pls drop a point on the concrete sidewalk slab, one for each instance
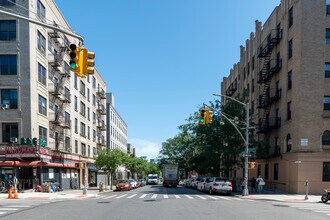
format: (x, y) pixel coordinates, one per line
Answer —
(292, 198)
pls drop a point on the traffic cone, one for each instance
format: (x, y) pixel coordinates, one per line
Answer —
(15, 194)
(10, 193)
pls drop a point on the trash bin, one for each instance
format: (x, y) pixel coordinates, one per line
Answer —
(101, 187)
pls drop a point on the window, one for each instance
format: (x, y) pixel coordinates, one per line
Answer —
(253, 63)
(94, 82)
(248, 69)
(94, 151)
(66, 68)
(82, 88)
(76, 103)
(326, 103)
(9, 97)
(326, 172)
(289, 80)
(290, 17)
(252, 86)
(94, 135)
(83, 109)
(9, 130)
(8, 30)
(7, 2)
(41, 74)
(94, 100)
(290, 45)
(276, 171)
(88, 114)
(42, 105)
(88, 99)
(82, 129)
(328, 6)
(41, 11)
(266, 171)
(67, 143)
(327, 36)
(326, 138)
(244, 74)
(67, 93)
(76, 146)
(288, 143)
(8, 64)
(288, 117)
(327, 70)
(76, 126)
(83, 149)
(88, 133)
(41, 43)
(43, 133)
(89, 151)
(75, 82)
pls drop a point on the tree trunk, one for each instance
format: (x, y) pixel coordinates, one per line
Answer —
(111, 181)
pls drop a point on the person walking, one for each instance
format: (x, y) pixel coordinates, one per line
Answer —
(261, 183)
(253, 184)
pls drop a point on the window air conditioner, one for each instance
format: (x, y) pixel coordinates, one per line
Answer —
(4, 106)
(13, 139)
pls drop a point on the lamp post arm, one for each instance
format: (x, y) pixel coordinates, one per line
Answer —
(219, 112)
(242, 103)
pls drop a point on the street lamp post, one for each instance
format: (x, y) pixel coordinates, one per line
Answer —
(246, 141)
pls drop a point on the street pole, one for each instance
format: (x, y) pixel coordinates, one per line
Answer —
(85, 181)
(246, 164)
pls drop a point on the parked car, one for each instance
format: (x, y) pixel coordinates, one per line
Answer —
(195, 182)
(123, 185)
(133, 183)
(218, 185)
(201, 184)
(143, 182)
(181, 183)
(188, 183)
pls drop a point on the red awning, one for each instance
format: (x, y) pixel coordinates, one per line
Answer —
(6, 163)
(35, 164)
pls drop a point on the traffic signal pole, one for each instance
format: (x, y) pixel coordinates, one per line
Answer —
(44, 25)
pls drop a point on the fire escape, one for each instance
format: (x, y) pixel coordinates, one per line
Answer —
(60, 97)
(269, 68)
(101, 110)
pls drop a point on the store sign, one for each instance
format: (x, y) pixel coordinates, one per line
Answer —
(25, 151)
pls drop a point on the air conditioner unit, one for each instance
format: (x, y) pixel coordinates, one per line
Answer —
(13, 140)
(4, 106)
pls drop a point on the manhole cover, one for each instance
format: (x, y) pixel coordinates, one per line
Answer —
(103, 202)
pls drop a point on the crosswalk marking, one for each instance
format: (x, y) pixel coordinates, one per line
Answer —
(144, 195)
(223, 198)
(212, 197)
(109, 197)
(189, 197)
(8, 209)
(154, 196)
(176, 196)
(165, 196)
(18, 206)
(131, 196)
(321, 211)
(236, 199)
(201, 197)
(1, 213)
(120, 196)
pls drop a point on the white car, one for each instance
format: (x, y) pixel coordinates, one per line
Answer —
(133, 183)
(218, 185)
(201, 184)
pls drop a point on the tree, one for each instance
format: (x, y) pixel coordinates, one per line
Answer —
(109, 160)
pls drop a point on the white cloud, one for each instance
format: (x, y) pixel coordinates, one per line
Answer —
(145, 148)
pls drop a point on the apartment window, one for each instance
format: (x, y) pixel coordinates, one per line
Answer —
(82, 129)
(41, 11)
(9, 97)
(276, 171)
(42, 105)
(67, 93)
(66, 68)
(290, 17)
(244, 74)
(94, 151)
(328, 6)
(76, 146)
(88, 113)
(326, 103)
(252, 86)
(248, 67)
(89, 151)
(83, 109)
(88, 99)
(8, 30)
(7, 2)
(76, 126)
(41, 43)
(290, 45)
(88, 133)
(82, 88)
(8, 64)
(253, 63)
(83, 149)
(326, 172)
(94, 135)
(67, 143)
(43, 133)
(252, 107)
(326, 138)
(288, 143)
(94, 82)
(75, 82)
(41, 74)
(289, 80)
(9, 130)
(94, 100)
(266, 171)
(76, 103)
(289, 111)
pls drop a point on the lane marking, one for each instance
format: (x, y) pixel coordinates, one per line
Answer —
(144, 195)
(109, 197)
(8, 209)
(189, 197)
(212, 197)
(154, 196)
(131, 196)
(236, 199)
(18, 206)
(99, 197)
(221, 197)
(176, 196)
(201, 197)
(328, 211)
(121, 196)
(165, 196)
(1, 213)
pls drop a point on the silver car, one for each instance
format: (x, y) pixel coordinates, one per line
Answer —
(218, 185)
(201, 184)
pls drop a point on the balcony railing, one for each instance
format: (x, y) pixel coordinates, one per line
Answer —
(101, 109)
(101, 125)
(272, 67)
(271, 96)
(268, 44)
(269, 124)
(101, 93)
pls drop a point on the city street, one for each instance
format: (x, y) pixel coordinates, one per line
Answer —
(156, 202)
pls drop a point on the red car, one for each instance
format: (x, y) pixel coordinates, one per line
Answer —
(123, 185)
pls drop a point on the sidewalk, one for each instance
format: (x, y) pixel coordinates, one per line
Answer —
(65, 194)
(280, 197)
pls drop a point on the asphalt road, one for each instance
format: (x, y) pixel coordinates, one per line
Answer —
(157, 203)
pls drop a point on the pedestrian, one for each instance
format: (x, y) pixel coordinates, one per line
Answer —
(261, 183)
(253, 184)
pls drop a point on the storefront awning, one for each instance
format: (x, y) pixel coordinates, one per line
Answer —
(35, 164)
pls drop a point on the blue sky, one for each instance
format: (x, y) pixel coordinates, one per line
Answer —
(163, 58)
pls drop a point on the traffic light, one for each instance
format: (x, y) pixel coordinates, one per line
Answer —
(208, 117)
(85, 62)
(74, 58)
(89, 62)
(202, 117)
